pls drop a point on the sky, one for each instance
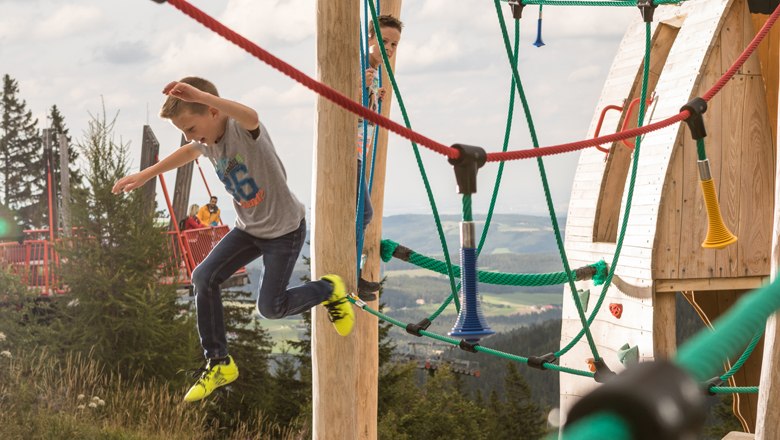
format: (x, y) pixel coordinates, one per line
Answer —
(451, 68)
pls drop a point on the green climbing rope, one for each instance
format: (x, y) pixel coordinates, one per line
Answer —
(598, 269)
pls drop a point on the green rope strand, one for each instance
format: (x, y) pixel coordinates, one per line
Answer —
(545, 183)
(488, 277)
(742, 359)
(629, 196)
(497, 185)
(416, 150)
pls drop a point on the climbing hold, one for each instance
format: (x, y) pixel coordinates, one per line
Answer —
(616, 309)
(584, 295)
(628, 355)
(591, 364)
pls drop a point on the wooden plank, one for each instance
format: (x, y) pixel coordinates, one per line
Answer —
(664, 325)
(768, 52)
(756, 190)
(710, 284)
(666, 255)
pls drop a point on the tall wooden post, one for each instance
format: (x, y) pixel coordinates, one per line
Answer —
(334, 367)
(150, 148)
(65, 184)
(181, 192)
(768, 412)
(368, 326)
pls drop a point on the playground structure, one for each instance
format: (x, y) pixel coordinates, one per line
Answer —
(688, 49)
(35, 260)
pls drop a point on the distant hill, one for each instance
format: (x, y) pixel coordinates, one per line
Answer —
(508, 233)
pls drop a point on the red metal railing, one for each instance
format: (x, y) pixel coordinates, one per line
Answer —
(37, 264)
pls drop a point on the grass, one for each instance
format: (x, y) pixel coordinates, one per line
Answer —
(47, 397)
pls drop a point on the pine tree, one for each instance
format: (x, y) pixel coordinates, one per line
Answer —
(57, 124)
(118, 312)
(518, 416)
(20, 152)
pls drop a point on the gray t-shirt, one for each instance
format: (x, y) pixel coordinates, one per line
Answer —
(253, 174)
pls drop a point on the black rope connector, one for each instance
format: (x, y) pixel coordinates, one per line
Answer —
(696, 107)
(403, 253)
(517, 8)
(539, 361)
(657, 400)
(584, 272)
(646, 7)
(468, 346)
(466, 165)
(603, 373)
(159, 1)
(714, 382)
(414, 329)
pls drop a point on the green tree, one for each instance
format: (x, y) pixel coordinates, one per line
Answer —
(20, 152)
(117, 309)
(517, 416)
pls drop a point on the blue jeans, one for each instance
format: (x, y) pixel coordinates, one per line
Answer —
(236, 250)
(368, 210)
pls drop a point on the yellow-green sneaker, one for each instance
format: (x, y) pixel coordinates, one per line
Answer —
(212, 377)
(339, 308)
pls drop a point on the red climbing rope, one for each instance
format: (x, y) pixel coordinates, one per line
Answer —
(354, 107)
(316, 86)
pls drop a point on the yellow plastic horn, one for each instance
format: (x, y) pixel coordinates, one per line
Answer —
(718, 234)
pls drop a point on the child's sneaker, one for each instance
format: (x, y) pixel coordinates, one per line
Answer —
(214, 375)
(367, 289)
(340, 311)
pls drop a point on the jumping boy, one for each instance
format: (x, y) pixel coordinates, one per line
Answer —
(390, 27)
(270, 221)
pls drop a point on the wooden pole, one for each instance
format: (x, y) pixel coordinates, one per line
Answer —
(368, 325)
(65, 184)
(150, 149)
(334, 367)
(181, 192)
(768, 412)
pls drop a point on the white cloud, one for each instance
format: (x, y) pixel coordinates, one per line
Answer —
(69, 20)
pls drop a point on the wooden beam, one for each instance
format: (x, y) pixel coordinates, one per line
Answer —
(705, 284)
(367, 325)
(334, 367)
(181, 192)
(768, 413)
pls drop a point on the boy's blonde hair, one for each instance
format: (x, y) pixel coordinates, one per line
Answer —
(173, 106)
(385, 21)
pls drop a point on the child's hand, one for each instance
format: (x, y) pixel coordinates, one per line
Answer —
(129, 183)
(381, 93)
(370, 73)
(183, 91)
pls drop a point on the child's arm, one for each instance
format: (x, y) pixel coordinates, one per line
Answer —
(245, 116)
(181, 156)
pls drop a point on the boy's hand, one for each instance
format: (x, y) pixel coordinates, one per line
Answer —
(183, 91)
(370, 73)
(129, 183)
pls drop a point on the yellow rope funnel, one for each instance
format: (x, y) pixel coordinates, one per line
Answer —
(718, 234)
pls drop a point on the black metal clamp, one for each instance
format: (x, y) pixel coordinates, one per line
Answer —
(414, 329)
(657, 400)
(466, 166)
(714, 382)
(646, 8)
(517, 8)
(465, 345)
(696, 107)
(603, 373)
(539, 361)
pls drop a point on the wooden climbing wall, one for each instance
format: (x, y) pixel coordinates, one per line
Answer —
(692, 45)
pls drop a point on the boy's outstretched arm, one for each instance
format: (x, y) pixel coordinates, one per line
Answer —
(245, 116)
(182, 156)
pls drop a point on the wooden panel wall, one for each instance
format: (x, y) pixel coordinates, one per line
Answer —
(742, 160)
